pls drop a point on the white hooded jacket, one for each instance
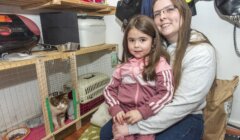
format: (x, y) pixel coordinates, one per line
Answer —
(198, 74)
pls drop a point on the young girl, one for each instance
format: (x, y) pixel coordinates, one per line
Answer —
(143, 84)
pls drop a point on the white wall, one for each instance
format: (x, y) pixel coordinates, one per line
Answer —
(114, 33)
(220, 33)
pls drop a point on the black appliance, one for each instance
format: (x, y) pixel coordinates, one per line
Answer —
(59, 27)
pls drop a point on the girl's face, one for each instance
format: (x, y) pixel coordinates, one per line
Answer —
(139, 43)
(167, 19)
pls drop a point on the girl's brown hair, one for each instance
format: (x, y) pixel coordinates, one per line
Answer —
(147, 26)
(183, 38)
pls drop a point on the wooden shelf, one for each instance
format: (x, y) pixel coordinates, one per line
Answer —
(66, 5)
(46, 56)
(86, 50)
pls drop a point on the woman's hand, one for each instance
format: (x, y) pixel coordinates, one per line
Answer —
(133, 116)
(119, 131)
(119, 118)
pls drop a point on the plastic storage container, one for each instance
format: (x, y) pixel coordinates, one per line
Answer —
(91, 32)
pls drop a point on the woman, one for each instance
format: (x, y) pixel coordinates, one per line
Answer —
(194, 67)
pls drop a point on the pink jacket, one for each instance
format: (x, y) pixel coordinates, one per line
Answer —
(127, 90)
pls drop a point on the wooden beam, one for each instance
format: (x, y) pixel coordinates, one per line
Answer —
(41, 5)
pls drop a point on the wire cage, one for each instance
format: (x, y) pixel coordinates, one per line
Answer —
(26, 89)
(20, 105)
(94, 71)
(58, 73)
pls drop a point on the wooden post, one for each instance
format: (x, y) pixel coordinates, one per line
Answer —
(74, 75)
(43, 90)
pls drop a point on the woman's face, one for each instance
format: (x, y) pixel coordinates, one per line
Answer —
(167, 19)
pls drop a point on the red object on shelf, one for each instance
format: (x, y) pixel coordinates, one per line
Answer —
(99, 1)
(17, 33)
(84, 108)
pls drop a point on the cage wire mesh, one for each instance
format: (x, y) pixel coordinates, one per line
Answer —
(19, 98)
(58, 74)
(94, 71)
(95, 62)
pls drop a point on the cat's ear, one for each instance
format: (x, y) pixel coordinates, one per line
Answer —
(65, 96)
(66, 89)
(53, 101)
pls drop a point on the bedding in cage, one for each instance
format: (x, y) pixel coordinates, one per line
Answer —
(90, 87)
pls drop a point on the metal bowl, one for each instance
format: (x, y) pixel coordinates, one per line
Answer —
(17, 134)
(70, 46)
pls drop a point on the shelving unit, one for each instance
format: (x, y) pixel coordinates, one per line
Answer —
(66, 5)
(40, 65)
(37, 64)
(45, 56)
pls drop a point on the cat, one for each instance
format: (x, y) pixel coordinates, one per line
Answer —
(59, 105)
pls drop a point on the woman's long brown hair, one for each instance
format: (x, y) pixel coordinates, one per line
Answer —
(183, 38)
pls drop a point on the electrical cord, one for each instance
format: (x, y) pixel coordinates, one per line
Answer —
(235, 40)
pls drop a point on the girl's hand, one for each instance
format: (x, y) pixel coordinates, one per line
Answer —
(133, 116)
(119, 131)
(119, 118)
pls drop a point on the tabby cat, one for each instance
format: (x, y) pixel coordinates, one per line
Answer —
(58, 105)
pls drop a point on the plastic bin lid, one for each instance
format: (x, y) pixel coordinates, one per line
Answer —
(91, 22)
